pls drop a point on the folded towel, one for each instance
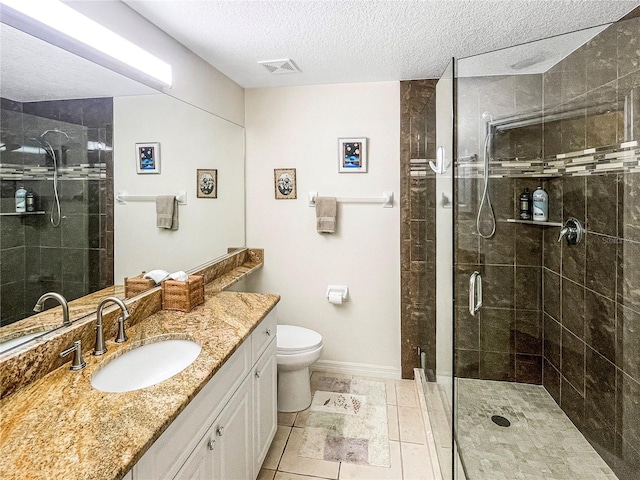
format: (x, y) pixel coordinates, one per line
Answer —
(157, 275)
(326, 209)
(167, 212)
(179, 276)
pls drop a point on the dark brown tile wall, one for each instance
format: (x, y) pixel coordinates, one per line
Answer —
(32, 253)
(590, 291)
(417, 225)
(504, 340)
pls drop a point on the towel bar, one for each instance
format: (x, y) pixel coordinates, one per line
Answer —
(123, 196)
(386, 199)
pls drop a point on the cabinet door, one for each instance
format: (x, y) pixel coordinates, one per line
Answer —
(198, 466)
(265, 414)
(233, 448)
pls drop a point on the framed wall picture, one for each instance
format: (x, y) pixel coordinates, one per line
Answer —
(207, 183)
(352, 155)
(148, 157)
(285, 183)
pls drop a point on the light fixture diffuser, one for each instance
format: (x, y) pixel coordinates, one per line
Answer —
(70, 22)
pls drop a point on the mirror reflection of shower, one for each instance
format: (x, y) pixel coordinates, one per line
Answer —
(55, 214)
(485, 202)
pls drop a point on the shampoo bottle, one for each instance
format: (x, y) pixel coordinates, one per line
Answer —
(525, 205)
(31, 201)
(21, 200)
(540, 205)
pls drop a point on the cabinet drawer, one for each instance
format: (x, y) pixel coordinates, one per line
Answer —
(170, 451)
(263, 334)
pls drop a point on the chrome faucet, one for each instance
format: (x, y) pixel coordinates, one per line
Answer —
(100, 347)
(60, 299)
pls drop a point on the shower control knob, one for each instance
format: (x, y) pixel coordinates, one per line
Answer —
(572, 231)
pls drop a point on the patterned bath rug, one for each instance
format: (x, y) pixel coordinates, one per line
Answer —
(348, 423)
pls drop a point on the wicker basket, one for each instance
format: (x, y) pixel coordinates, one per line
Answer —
(135, 285)
(183, 296)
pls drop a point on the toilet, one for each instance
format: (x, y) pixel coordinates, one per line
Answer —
(298, 348)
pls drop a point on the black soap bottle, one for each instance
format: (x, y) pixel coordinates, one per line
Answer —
(525, 205)
(31, 201)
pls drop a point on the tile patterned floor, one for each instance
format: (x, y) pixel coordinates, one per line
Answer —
(410, 455)
(540, 444)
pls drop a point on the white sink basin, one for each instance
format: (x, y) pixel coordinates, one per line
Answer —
(146, 365)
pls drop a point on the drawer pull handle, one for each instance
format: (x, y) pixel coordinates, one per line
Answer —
(257, 373)
(220, 431)
(268, 332)
(211, 443)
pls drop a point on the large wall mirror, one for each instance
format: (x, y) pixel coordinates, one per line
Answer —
(68, 135)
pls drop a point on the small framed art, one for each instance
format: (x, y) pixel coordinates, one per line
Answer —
(285, 183)
(148, 157)
(207, 183)
(352, 155)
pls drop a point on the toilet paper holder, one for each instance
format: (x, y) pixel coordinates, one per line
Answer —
(335, 292)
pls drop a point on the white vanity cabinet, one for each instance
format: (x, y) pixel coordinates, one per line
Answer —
(224, 452)
(226, 430)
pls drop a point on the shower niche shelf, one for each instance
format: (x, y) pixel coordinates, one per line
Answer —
(21, 214)
(531, 222)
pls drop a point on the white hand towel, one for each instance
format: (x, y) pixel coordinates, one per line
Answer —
(326, 209)
(157, 275)
(179, 276)
(167, 212)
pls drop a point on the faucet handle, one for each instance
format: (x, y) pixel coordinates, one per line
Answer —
(78, 362)
(122, 335)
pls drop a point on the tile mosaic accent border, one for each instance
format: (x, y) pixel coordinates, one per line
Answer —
(75, 172)
(622, 158)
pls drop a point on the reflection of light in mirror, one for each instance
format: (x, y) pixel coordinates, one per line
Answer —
(93, 146)
(62, 18)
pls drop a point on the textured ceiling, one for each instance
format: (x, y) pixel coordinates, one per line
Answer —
(368, 40)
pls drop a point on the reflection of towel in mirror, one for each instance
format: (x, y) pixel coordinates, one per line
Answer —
(326, 209)
(167, 212)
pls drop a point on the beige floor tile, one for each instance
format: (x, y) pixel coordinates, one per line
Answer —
(411, 425)
(351, 471)
(406, 393)
(416, 463)
(301, 418)
(276, 449)
(392, 420)
(391, 392)
(291, 462)
(286, 418)
(293, 476)
(266, 474)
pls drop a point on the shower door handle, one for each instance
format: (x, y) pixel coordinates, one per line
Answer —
(475, 292)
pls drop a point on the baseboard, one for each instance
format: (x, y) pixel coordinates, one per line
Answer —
(360, 369)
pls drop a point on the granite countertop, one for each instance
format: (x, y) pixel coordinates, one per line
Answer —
(61, 427)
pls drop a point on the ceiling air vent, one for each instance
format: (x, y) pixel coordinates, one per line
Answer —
(280, 67)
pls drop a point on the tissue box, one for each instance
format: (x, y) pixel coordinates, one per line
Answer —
(183, 296)
(135, 285)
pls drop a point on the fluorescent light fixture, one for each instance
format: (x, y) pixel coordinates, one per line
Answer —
(72, 23)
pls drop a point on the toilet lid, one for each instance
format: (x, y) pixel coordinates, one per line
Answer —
(293, 339)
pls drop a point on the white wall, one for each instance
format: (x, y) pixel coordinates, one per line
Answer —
(189, 138)
(299, 127)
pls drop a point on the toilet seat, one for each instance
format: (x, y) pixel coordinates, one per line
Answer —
(292, 340)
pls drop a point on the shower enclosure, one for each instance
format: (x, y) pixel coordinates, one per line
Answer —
(538, 337)
(60, 152)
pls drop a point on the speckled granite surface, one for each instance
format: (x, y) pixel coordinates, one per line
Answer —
(60, 427)
(32, 361)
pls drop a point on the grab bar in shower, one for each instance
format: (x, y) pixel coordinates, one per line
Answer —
(475, 292)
